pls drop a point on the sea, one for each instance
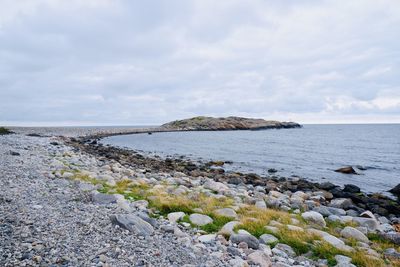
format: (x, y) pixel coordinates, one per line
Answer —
(312, 152)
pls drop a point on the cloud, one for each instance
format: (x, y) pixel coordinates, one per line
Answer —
(135, 62)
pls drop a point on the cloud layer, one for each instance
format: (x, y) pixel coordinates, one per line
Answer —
(147, 62)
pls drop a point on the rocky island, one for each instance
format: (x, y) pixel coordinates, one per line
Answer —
(202, 123)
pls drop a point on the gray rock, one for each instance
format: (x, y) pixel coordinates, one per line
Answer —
(207, 238)
(371, 224)
(261, 204)
(327, 211)
(250, 240)
(392, 254)
(342, 203)
(227, 229)
(285, 248)
(260, 258)
(104, 199)
(145, 217)
(200, 219)
(350, 232)
(132, 223)
(340, 259)
(314, 217)
(268, 239)
(226, 212)
(175, 216)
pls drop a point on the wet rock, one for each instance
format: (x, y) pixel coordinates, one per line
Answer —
(346, 170)
(132, 223)
(351, 188)
(327, 186)
(250, 240)
(395, 190)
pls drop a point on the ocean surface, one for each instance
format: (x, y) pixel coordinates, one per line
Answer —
(312, 152)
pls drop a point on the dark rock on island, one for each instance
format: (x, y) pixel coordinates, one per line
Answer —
(229, 123)
(395, 190)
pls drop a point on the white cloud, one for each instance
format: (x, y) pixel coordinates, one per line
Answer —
(135, 62)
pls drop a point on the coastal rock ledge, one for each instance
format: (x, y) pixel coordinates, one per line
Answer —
(228, 123)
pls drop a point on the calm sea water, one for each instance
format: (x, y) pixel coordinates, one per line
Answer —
(312, 152)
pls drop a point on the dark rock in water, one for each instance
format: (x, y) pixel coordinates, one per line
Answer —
(13, 153)
(346, 170)
(54, 144)
(395, 190)
(351, 188)
(34, 135)
(272, 170)
(361, 168)
(327, 186)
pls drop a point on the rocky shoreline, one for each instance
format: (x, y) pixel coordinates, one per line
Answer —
(74, 202)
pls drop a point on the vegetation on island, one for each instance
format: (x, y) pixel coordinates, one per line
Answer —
(4, 131)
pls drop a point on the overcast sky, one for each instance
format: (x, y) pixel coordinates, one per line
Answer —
(147, 62)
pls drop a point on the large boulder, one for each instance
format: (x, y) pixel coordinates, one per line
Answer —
(350, 232)
(175, 216)
(200, 219)
(314, 217)
(370, 223)
(250, 240)
(132, 223)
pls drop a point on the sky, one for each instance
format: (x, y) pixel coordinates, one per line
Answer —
(134, 62)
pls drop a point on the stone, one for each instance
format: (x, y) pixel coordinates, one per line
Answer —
(261, 204)
(371, 224)
(346, 170)
(294, 228)
(104, 199)
(392, 254)
(173, 217)
(238, 262)
(207, 238)
(395, 190)
(286, 248)
(250, 240)
(334, 241)
(350, 232)
(226, 212)
(268, 239)
(200, 219)
(314, 217)
(216, 186)
(341, 203)
(393, 237)
(272, 229)
(227, 229)
(351, 188)
(340, 259)
(132, 223)
(260, 258)
(327, 211)
(368, 214)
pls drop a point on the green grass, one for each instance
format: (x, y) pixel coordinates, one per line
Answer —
(216, 225)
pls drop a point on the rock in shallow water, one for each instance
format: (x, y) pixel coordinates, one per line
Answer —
(346, 170)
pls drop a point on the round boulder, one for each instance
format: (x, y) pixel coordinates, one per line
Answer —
(314, 218)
